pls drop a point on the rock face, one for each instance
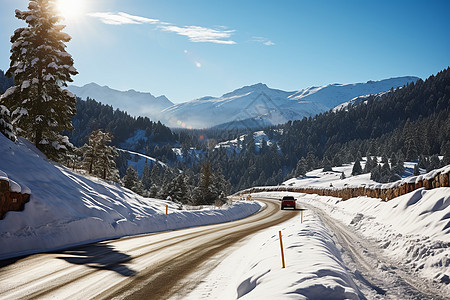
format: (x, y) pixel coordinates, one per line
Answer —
(386, 192)
(9, 200)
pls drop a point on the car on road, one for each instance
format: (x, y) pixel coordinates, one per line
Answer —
(288, 201)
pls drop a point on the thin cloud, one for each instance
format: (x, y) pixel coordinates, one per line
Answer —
(263, 40)
(198, 34)
(122, 18)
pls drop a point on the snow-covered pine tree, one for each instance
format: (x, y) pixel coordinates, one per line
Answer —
(155, 176)
(301, 169)
(40, 106)
(177, 189)
(5, 122)
(220, 187)
(106, 166)
(98, 157)
(131, 181)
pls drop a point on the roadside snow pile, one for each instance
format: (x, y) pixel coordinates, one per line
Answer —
(413, 229)
(314, 268)
(67, 209)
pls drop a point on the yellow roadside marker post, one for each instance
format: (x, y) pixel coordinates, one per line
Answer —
(301, 215)
(282, 252)
(167, 209)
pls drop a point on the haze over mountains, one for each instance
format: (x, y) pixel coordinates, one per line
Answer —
(251, 106)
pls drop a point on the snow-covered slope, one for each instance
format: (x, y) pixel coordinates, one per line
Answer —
(357, 100)
(131, 101)
(258, 105)
(66, 208)
(334, 94)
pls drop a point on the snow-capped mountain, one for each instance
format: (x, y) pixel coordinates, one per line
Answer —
(258, 105)
(252, 106)
(357, 100)
(134, 102)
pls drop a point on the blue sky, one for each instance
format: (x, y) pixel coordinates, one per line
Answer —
(190, 49)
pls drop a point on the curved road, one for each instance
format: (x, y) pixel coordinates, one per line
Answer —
(153, 266)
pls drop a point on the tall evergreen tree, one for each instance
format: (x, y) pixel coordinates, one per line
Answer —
(356, 170)
(131, 180)
(301, 168)
(40, 105)
(146, 176)
(98, 156)
(155, 175)
(203, 194)
(326, 165)
(416, 170)
(5, 122)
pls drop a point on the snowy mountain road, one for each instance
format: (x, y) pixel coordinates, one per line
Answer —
(153, 266)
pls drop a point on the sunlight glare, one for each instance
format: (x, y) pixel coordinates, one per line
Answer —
(70, 9)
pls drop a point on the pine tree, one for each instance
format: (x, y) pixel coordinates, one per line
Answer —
(177, 189)
(375, 174)
(146, 176)
(164, 188)
(98, 157)
(203, 194)
(131, 180)
(40, 106)
(221, 187)
(416, 170)
(5, 122)
(326, 165)
(155, 176)
(435, 163)
(445, 151)
(356, 170)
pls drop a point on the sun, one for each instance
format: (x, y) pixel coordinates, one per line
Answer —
(70, 9)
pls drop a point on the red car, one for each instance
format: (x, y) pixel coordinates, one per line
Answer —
(288, 201)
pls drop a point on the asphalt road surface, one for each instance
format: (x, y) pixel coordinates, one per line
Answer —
(153, 266)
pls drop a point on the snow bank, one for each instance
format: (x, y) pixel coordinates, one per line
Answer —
(67, 209)
(314, 268)
(413, 229)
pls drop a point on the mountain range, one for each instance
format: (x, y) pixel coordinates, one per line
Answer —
(250, 106)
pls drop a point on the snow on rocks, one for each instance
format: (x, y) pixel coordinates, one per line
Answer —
(67, 209)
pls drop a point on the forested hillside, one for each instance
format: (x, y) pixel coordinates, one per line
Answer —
(92, 115)
(407, 123)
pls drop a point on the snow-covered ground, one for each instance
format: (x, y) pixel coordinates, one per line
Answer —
(67, 208)
(319, 179)
(410, 232)
(313, 270)
(236, 145)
